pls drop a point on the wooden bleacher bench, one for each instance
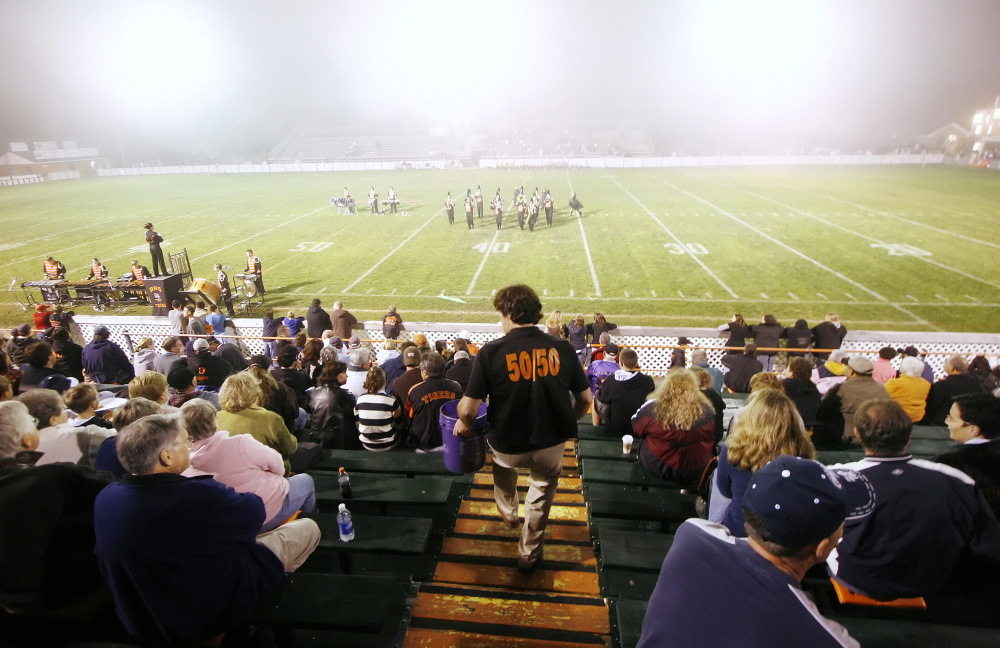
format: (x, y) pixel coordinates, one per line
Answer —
(890, 633)
(830, 457)
(939, 432)
(592, 433)
(381, 544)
(628, 615)
(611, 449)
(366, 605)
(661, 505)
(403, 463)
(626, 473)
(630, 562)
(426, 496)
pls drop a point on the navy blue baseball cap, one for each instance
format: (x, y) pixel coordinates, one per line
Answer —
(802, 502)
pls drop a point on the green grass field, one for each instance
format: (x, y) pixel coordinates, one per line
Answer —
(888, 248)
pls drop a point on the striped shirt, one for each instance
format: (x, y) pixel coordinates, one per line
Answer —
(375, 421)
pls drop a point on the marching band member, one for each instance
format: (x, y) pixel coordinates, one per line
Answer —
(140, 272)
(54, 269)
(392, 200)
(479, 201)
(498, 208)
(227, 292)
(373, 200)
(449, 205)
(97, 270)
(548, 207)
(522, 206)
(468, 213)
(254, 267)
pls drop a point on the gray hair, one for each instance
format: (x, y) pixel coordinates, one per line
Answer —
(15, 422)
(699, 356)
(132, 411)
(956, 363)
(43, 404)
(140, 444)
(328, 354)
(433, 364)
(359, 356)
(913, 367)
(200, 418)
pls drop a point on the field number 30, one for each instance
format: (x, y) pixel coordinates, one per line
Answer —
(686, 248)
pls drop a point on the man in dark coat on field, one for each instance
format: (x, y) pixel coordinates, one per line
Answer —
(317, 320)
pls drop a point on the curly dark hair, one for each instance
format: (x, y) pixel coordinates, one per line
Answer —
(520, 303)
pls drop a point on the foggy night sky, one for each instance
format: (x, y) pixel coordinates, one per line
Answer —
(800, 73)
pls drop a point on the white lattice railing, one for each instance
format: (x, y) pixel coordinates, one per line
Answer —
(652, 344)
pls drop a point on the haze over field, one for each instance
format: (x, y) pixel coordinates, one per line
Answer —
(240, 74)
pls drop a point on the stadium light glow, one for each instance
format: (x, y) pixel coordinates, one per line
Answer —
(979, 130)
(978, 119)
(163, 62)
(996, 114)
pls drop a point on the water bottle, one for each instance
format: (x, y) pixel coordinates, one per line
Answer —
(344, 482)
(345, 524)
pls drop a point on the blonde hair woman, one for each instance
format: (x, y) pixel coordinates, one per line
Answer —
(679, 427)
(240, 400)
(151, 385)
(554, 322)
(768, 426)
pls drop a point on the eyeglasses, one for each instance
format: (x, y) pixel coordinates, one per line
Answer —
(951, 419)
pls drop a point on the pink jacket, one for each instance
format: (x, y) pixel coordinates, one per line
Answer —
(883, 370)
(244, 464)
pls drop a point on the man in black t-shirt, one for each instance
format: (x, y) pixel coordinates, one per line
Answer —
(537, 392)
(424, 401)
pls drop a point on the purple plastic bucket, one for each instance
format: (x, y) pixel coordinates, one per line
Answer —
(463, 454)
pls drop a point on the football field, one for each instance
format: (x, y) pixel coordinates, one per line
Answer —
(888, 248)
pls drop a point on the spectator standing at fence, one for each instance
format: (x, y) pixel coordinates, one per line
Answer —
(828, 334)
(578, 338)
(767, 335)
(392, 324)
(799, 336)
(343, 322)
(738, 334)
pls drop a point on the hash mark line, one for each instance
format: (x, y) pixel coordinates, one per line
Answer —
(570, 292)
(681, 294)
(482, 263)
(821, 295)
(545, 292)
(793, 296)
(764, 296)
(678, 241)
(900, 218)
(419, 289)
(393, 251)
(368, 291)
(653, 292)
(941, 298)
(322, 290)
(297, 289)
(973, 298)
(850, 296)
(586, 246)
(393, 292)
(626, 294)
(865, 236)
(797, 253)
(912, 298)
(709, 295)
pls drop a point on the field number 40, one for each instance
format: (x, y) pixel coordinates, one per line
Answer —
(686, 248)
(499, 248)
(305, 246)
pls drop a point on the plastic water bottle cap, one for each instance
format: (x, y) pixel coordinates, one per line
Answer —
(343, 507)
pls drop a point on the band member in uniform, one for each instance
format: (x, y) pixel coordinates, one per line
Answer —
(479, 201)
(449, 205)
(498, 208)
(468, 212)
(373, 200)
(547, 201)
(532, 213)
(139, 272)
(392, 200)
(522, 206)
(227, 292)
(575, 206)
(98, 270)
(54, 269)
(154, 240)
(254, 267)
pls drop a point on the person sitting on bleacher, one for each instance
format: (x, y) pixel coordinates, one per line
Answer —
(795, 511)
(909, 389)
(622, 394)
(58, 441)
(679, 428)
(742, 367)
(246, 465)
(181, 555)
(46, 525)
(956, 382)
(424, 401)
(974, 421)
(768, 426)
(927, 516)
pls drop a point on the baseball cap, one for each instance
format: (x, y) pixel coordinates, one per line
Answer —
(102, 331)
(801, 501)
(411, 356)
(57, 382)
(861, 365)
(611, 348)
(911, 351)
(462, 355)
(465, 335)
(354, 342)
(200, 344)
(261, 361)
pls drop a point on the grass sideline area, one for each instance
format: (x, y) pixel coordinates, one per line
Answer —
(888, 248)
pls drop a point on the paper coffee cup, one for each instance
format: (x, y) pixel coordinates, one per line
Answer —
(627, 444)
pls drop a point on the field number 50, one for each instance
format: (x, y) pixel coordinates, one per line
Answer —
(686, 248)
(305, 246)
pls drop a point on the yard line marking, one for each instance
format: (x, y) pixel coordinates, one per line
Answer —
(764, 296)
(653, 292)
(418, 289)
(912, 298)
(250, 238)
(393, 292)
(681, 294)
(973, 298)
(626, 294)
(836, 273)
(793, 296)
(850, 296)
(679, 242)
(322, 290)
(900, 218)
(865, 236)
(393, 251)
(297, 289)
(586, 246)
(489, 248)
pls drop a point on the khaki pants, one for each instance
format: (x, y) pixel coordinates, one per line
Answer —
(292, 543)
(544, 467)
